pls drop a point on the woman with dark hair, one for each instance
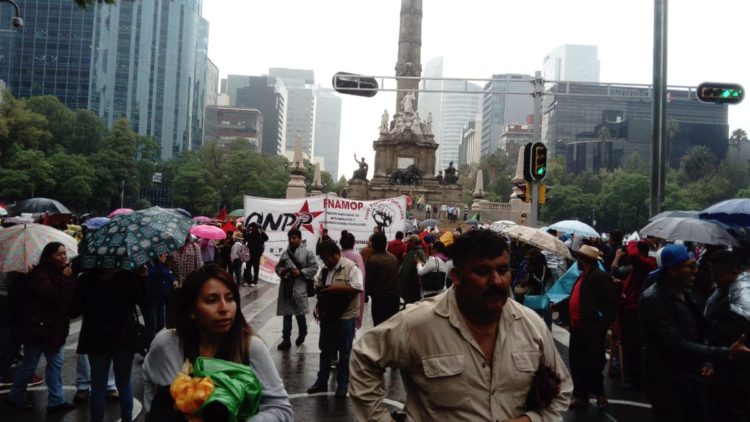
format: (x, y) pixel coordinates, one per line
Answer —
(210, 324)
(48, 292)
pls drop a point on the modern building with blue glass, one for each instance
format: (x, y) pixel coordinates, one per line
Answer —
(51, 54)
(149, 66)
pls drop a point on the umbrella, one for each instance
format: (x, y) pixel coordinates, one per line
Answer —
(500, 224)
(689, 230)
(208, 232)
(24, 219)
(429, 222)
(40, 206)
(119, 211)
(409, 227)
(733, 212)
(202, 219)
(131, 240)
(472, 222)
(237, 213)
(537, 238)
(692, 214)
(181, 211)
(22, 245)
(576, 227)
(3, 212)
(95, 223)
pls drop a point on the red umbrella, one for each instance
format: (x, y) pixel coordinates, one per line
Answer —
(208, 232)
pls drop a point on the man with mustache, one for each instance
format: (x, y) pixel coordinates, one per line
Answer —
(470, 353)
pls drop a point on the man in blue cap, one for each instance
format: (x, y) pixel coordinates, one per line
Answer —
(677, 361)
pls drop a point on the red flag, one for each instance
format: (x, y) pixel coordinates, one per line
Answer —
(229, 227)
(222, 215)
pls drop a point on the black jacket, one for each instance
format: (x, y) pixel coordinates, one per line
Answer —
(598, 298)
(674, 336)
(256, 241)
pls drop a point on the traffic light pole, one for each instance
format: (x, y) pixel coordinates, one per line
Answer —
(537, 137)
(658, 126)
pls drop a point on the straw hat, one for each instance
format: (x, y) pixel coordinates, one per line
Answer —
(589, 252)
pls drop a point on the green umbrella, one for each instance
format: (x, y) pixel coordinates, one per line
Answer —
(131, 240)
(237, 213)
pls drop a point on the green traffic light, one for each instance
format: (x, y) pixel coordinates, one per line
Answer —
(540, 171)
(726, 93)
(735, 94)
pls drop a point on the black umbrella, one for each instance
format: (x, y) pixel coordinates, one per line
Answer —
(40, 206)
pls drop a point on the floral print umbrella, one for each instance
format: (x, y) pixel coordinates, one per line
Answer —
(131, 240)
(22, 245)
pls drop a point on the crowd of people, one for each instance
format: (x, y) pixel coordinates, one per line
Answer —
(455, 311)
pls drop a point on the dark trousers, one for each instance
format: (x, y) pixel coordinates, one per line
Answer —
(254, 264)
(154, 314)
(122, 364)
(286, 331)
(237, 270)
(9, 345)
(631, 346)
(384, 308)
(678, 400)
(587, 359)
(335, 336)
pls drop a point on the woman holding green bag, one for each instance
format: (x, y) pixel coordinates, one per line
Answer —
(210, 325)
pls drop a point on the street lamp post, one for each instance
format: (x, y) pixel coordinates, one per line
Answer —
(658, 126)
(16, 21)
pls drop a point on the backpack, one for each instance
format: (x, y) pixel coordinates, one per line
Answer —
(434, 280)
(245, 254)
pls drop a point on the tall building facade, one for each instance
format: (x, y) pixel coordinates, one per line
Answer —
(300, 105)
(327, 129)
(505, 102)
(455, 111)
(51, 54)
(429, 102)
(574, 127)
(149, 66)
(268, 95)
(470, 150)
(570, 62)
(212, 83)
(515, 137)
(225, 124)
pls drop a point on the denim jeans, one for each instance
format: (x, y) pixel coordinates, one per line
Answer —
(237, 269)
(335, 336)
(83, 375)
(286, 332)
(153, 315)
(53, 374)
(122, 363)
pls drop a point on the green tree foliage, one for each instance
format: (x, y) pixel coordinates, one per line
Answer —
(60, 121)
(192, 188)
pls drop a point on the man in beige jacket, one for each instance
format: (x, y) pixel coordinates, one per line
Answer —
(468, 354)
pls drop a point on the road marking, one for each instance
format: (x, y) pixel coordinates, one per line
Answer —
(137, 405)
(390, 402)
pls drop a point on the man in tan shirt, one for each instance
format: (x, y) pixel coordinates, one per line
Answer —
(468, 354)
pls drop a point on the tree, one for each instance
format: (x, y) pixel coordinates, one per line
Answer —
(739, 137)
(76, 179)
(20, 126)
(622, 201)
(60, 120)
(88, 133)
(37, 169)
(698, 163)
(192, 189)
(124, 142)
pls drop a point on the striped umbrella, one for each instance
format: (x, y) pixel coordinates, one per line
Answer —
(22, 245)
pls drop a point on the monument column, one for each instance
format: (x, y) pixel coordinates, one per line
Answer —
(409, 49)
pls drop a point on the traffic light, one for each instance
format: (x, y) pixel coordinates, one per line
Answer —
(542, 193)
(528, 193)
(353, 84)
(720, 93)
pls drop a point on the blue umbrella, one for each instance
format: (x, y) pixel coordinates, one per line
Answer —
(95, 223)
(733, 212)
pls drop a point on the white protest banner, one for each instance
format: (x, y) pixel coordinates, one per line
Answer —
(311, 215)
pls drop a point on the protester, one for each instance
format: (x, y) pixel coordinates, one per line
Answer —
(208, 250)
(397, 247)
(592, 305)
(407, 274)
(347, 251)
(676, 359)
(161, 281)
(48, 291)
(381, 272)
(433, 272)
(323, 237)
(444, 372)
(107, 300)
(11, 309)
(234, 256)
(186, 260)
(256, 239)
(339, 283)
(296, 265)
(367, 251)
(210, 324)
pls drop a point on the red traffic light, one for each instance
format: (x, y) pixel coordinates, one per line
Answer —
(720, 93)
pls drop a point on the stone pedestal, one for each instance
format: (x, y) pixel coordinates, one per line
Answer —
(357, 189)
(296, 187)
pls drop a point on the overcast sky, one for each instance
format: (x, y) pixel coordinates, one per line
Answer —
(707, 41)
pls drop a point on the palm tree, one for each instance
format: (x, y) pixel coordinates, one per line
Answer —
(738, 138)
(603, 135)
(673, 128)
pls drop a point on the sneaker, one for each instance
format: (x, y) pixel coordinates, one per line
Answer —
(340, 393)
(334, 363)
(81, 396)
(61, 408)
(300, 340)
(113, 395)
(35, 380)
(18, 407)
(317, 389)
(286, 344)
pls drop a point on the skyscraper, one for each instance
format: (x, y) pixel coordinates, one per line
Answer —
(212, 83)
(429, 102)
(505, 102)
(575, 63)
(51, 54)
(268, 95)
(300, 106)
(455, 111)
(327, 129)
(149, 64)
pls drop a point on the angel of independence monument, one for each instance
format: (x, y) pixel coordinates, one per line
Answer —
(405, 150)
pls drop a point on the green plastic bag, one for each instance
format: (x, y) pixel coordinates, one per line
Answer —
(235, 386)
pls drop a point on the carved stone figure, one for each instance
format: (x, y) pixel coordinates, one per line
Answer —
(408, 176)
(399, 124)
(451, 174)
(360, 174)
(384, 122)
(440, 177)
(408, 101)
(428, 124)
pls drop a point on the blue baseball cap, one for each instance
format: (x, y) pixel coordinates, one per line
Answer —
(672, 255)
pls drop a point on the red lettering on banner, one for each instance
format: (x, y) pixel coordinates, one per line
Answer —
(342, 204)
